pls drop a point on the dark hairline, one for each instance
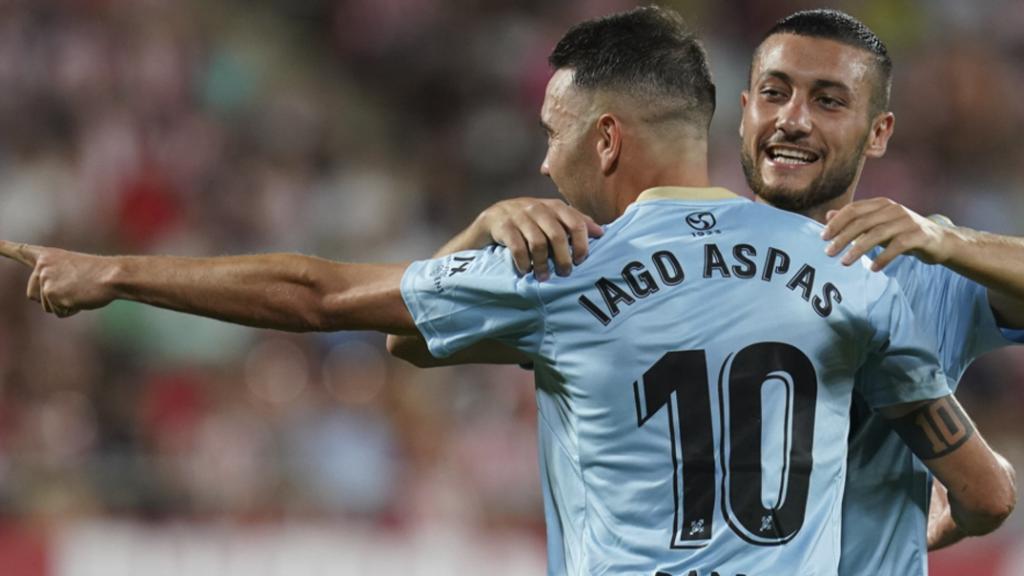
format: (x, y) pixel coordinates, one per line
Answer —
(882, 84)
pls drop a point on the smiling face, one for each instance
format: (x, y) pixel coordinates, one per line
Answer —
(808, 123)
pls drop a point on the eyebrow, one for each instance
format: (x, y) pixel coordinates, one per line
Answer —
(818, 84)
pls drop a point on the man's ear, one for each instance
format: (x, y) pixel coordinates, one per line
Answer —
(609, 142)
(881, 131)
(744, 98)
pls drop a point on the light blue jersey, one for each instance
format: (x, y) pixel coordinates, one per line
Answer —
(694, 379)
(885, 512)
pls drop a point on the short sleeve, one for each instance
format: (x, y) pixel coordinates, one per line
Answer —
(902, 366)
(972, 322)
(475, 295)
(953, 308)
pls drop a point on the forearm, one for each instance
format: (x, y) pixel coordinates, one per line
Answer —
(279, 291)
(981, 484)
(996, 262)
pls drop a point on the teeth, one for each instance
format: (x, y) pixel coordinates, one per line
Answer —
(790, 156)
(787, 160)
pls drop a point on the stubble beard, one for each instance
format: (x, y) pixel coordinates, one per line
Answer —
(828, 186)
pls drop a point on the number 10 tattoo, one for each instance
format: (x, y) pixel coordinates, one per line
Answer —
(935, 429)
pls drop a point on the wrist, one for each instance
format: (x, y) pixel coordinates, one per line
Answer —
(116, 277)
(479, 232)
(958, 243)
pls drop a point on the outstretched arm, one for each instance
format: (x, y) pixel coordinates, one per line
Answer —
(996, 262)
(534, 230)
(279, 291)
(981, 484)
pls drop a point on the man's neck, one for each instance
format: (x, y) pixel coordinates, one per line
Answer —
(819, 212)
(684, 172)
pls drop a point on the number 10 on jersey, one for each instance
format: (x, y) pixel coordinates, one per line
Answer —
(683, 375)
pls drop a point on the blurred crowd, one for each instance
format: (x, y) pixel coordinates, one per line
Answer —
(364, 130)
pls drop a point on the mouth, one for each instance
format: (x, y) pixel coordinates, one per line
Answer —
(790, 156)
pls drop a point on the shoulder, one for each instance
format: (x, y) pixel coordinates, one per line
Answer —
(907, 267)
(490, 268)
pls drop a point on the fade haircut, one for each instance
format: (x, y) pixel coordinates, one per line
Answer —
(646, 53)
(841, 27)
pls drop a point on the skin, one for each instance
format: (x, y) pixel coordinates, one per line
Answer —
(812, 96)
(824, 108)
(289, 292)
(620, 156)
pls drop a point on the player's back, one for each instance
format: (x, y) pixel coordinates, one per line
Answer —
(694, 383)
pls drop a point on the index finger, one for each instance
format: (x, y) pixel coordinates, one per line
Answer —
(23, 253)
(848, 213)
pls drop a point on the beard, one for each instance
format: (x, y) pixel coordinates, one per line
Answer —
(828, 186)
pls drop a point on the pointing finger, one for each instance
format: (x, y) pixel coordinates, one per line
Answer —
(23, 253)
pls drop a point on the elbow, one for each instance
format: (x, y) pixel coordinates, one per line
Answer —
(411, 349)
(312, 316)
(993, 506)
(979, 522)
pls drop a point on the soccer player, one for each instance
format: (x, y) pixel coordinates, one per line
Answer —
(695, 374)
(810, 65)
(817, 107)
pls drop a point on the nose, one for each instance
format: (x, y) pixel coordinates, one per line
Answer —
(544, 170)
(794, 118)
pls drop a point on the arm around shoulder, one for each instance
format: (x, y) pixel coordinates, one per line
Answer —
(997, 263)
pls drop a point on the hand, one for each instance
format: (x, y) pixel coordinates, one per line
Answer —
(65, 283)
(535, 229)
(942, 530)
(882, 222)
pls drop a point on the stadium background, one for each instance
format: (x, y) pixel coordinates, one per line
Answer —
(134, 441)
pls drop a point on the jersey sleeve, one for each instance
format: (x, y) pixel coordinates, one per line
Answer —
(967, 320)
(475, 295)
(902, 365)
(957, 310)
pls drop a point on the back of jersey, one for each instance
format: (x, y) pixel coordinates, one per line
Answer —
(694, 386)
(694, 378)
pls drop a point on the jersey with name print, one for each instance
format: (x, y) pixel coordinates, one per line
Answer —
(694, 379)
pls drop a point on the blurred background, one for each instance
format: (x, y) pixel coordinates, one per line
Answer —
(135, 441)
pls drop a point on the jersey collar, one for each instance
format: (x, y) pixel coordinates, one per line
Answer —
(681, 193)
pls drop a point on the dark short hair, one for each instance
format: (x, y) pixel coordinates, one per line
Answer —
(841, 27)
(645, 52)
